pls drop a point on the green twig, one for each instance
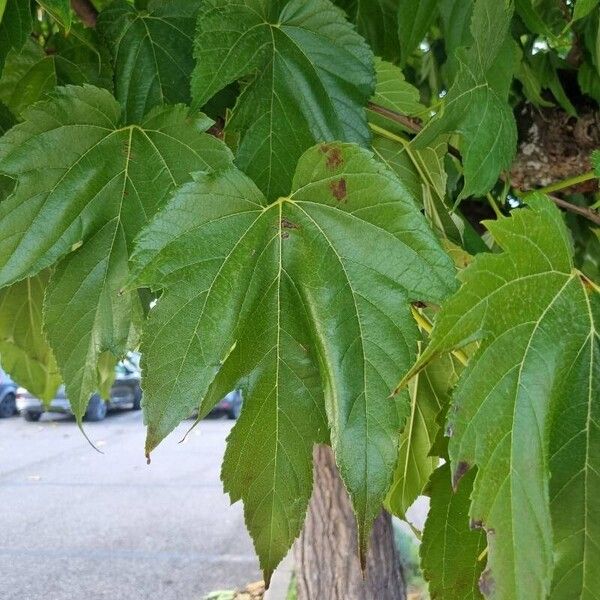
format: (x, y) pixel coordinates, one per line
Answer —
(392, 115)
(494, 205)
(394, 137)
(563, 184)
(424, 323)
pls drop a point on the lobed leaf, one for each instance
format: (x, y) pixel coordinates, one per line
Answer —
(97, 191)
(152, 53)
(536, 322)
(294, 302)
(310, 76)
(476, 106)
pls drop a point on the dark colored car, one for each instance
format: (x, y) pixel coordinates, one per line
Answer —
(124, 393)
(8, 394)
(230, 405)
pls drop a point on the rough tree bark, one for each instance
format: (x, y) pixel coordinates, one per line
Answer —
(327, 564)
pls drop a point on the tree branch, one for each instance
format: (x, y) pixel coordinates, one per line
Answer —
(588, 213)
(395, 116)
(86, 12)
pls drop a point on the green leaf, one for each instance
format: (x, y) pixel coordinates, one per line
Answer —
(60, 11)
(477, 105)
(152, 53)
(30, 74)
(533, 315)
(376, 21)
(575, 462)
(532, 86)
(81, 57)
(24, 351)
(392, 91)
(26, 77)
(99, 185)
(455, 19)
(310, 74)
(429, 396)
(450, 549)
(15, 27)
(292, 301)
(583, 8)
(415, 17)
(422, 171)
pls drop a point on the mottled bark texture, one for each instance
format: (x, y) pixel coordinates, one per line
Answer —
(327, 563)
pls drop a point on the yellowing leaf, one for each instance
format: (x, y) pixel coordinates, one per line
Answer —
(24, 352)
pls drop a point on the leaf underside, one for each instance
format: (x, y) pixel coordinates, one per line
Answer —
(24, 352)
(293, 302)
(450, 549)
(534, 378)
(100, 189)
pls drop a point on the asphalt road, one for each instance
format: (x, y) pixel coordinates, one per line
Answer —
(76, 524)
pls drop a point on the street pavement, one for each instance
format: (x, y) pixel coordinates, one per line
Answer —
(79, 525)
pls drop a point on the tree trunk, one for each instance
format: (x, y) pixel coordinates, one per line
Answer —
(327, 562)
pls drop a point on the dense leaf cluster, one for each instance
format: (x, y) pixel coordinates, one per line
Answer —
(318, 242)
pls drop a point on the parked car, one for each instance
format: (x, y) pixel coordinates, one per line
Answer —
(8, 390)
(125, 392)
(230, 405)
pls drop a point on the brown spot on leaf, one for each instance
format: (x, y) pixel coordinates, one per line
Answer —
(486, 583)
(461, 469)
(287, 224)
(419, 304)
(333, 154)
(476, 524)
(338, 189)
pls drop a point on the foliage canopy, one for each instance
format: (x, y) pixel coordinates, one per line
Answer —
(288, 197)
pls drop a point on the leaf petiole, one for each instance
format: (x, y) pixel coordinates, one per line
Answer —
(426, 325)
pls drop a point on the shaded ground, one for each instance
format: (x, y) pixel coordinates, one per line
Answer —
(78, 524)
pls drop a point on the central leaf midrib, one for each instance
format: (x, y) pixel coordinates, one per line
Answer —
(363, 518)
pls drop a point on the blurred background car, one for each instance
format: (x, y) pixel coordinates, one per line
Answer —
(230, 405)
(8, 390)
(124, 393)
